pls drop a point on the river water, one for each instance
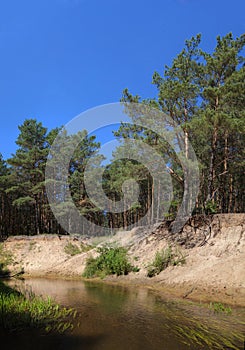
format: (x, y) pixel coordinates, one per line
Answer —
(130, 318)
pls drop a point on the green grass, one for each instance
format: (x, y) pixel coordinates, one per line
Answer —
(111, 261)
(200, 329)
(72, 249)
(6, 257)
(32, 245)
(19, 312)
(85, 248)
(200, 334)
(219, 308)
(164, 258)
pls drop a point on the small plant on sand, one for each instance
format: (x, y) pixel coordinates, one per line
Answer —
(219, 307)
(72, 249)
(6, 258)
(85, 247)
(164, 258)
(32, 245)
(111, 261)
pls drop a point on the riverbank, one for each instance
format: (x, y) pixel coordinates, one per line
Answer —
(214, 251)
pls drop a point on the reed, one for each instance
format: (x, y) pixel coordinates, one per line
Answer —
(19, 312)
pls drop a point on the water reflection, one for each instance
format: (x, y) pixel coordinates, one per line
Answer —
(113, 317)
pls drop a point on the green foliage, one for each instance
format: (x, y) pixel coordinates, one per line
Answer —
(203, 92)
(219, 307)
(18, 312)
(19, 202)
(72, 249)
(85, 247)
(199, 333)
(32, 245)
(211, 207)
(164, 258)
(6, 258)
(111, 261)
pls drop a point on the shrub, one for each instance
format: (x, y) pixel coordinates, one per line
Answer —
(111, 261)
(164, 258)
(72, 249)
(211, 208)
(85, 247)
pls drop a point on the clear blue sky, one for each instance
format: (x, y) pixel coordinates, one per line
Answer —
(61, 57)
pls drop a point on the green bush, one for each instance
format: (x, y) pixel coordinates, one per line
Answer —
(111, 261)
(85, 247)
(211, 208)
(164, 258)
(72, 249)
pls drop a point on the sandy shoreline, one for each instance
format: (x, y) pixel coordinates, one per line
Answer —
(214, 271)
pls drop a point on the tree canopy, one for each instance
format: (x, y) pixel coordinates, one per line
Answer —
(202, 92)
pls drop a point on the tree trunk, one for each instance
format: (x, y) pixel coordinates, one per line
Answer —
(211, 174)
(230, 194)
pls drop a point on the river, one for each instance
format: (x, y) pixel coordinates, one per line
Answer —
(113, 317)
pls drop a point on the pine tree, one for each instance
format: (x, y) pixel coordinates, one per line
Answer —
(222, 89)
(204, 94)
(27, 174)
(5, 209)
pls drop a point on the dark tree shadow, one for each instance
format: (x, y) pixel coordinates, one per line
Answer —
(4, 273)
(34, 341)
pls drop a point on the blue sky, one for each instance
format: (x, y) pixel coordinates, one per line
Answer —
(61, 57)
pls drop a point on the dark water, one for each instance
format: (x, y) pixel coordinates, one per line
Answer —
(119, 318)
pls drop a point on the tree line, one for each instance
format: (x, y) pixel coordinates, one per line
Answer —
(204, 93)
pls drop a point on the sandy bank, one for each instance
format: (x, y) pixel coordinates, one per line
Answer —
(214, 250)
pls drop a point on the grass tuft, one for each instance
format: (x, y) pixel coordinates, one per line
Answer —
(72, 249)
(164, 258)
(19, 312)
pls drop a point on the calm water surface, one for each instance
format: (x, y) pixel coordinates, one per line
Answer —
(129, 318)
